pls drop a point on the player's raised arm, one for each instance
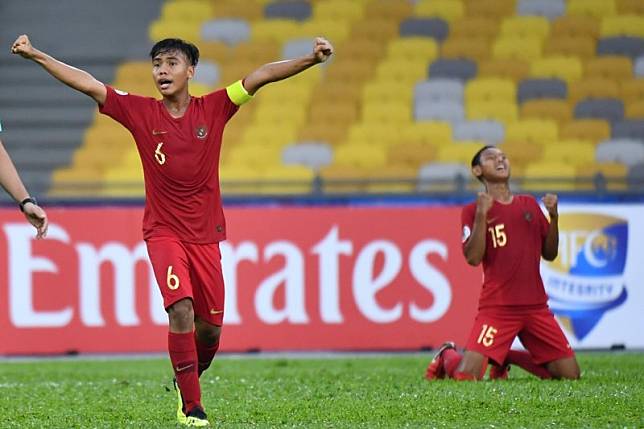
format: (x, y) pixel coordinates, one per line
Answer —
(273, 72)
(78, 79)
(474, 248)
(550, 247)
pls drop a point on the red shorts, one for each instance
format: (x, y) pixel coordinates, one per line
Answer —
(187, 270)
(495, 330)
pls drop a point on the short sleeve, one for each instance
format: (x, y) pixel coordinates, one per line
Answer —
(467, 220)
(121, 106)
(544, 224)
(218, 103)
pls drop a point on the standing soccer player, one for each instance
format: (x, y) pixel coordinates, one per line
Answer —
(10, 182)
(179, 139)
(509, 234)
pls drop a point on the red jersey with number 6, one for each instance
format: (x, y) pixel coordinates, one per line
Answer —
(515, 234)
(180, 158)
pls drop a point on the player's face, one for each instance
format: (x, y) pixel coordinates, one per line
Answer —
(494, 165)
(171, 72)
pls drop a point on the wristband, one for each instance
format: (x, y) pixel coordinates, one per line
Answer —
(25, 201)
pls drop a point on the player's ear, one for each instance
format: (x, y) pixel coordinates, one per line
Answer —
(191, 72)
(477, 171)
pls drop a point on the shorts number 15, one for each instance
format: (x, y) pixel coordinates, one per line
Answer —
(487, 335)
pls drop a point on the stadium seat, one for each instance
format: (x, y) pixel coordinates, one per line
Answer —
(392, 179)
(536, 131)
(594, 130)
(575, 26)
(278, 30)
(627, 46)
(594, 176)
(474, 27)
(581, 46)
(435, 28)
(395, 113)
(469, 48)
(410, 154)
(529, 89)
(401, 71)
(550, 9)
(435, 133)
(592, 88)
(632, 90)
(449, 10)
(460, 152)
(388, 10)
(575, 154)
(502, 111)
(379, 92)
(622, 25)
(594, 8)
(550, 109)
(413, 49)
(629, 129)
(229, 31)
(207, 73)
(610, 67)
(439, 89)
(635, 176)
(286, 9)
(635, 110)
(565, 68)
(490, 132)
(490, 89)
(514, 70)
(441, 176)
(609, 109)
(521, 153)
(449, 111)
(549, 176)
(525, 49)
(461, 69)
(333, 10)
(628, 7)
(525, 27)
(638, 68)
(625, 151)
(342, 179)
(287, 179)
(490, 8)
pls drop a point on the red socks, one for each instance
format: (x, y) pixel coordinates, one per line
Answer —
(183, 355)
(205, 354)
(524, 360)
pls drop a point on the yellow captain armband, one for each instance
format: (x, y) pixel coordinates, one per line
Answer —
(237, 93)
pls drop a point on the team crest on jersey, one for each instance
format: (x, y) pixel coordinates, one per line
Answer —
(527, 216)
(201, 132)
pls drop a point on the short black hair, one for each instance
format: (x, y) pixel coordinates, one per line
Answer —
(176, 45)
(476, 160)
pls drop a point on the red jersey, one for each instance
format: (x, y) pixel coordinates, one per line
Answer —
(514, 238)
(180, 158)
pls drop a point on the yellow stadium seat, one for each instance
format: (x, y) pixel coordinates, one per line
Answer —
(240, 179)
(412, 48)
(256, 51)
(520, 154)
(436, 133)
(383, 92)
(571, 153)
(254, 154)
(402, 71)
(410, 154)
(248, 10)
(532, 131)
(278, 30)
(594, 130)
(360, 155)
(280, 115)
(565, 68)
(548, 109)
(503, 111)
(377, 29)
(335, 30)
(490, 8)
(333, 115)
(287, 179)
(332, 134)
(168, 29)
(613, 176)
(583, 47)
(449, 10)
(187, 10)
(490, 89)
(396, 113)
(575, 26)
(363, 49)
(353, 72)
(388, 10)
(635, 110)
(466, 47)
(549, 176)
(592, 88)
(382, 134)
(594, 8)
(341, 10)
(610, 67)
(525, 27)
(514, 70)
(632, 90)
(473, 27)
(526, 49)
(458, 152)
(344, 179)
(392, 179)
(267, 135)
(634, 7)
(622, 25)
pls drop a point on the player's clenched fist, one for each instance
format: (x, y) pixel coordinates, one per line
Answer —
(22, 46)
(322, 49)
(550, 201)
(484, 202)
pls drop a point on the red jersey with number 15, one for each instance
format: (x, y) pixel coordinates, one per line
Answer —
(515, 234)
(180, 158)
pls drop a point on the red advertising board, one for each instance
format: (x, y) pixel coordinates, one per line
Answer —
(297, 278)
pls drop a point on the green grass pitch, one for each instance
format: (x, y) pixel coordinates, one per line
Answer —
(382, 391)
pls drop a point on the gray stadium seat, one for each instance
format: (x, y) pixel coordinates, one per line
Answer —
(639, 67)
(288, 9)
(445, 110)
(310, 154)
(439, 89)
(491, 132)
(629, 129)
(550, 9)
(461, 69)
(435, 176)
(530, 89)
(635, 176)
(621, 45)
(207, 73)
(609, 109)
(625, 151)
(435, 28)
(297, 48)
(229, 31)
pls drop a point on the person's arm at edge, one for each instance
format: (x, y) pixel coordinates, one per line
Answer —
(273, 72)
(550, 248)
(474, 248)
(75, 78)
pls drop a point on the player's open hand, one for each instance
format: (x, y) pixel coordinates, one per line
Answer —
(484, 202)
(550, 201)
(38, 218)
(22, 46)
(322, 49)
